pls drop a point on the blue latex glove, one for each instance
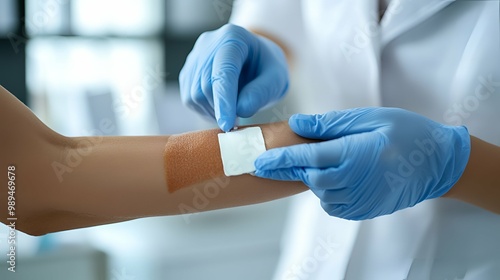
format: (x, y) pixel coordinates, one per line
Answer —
(231, 72)
(374, 161)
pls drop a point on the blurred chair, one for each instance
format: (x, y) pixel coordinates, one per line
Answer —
(100, 105)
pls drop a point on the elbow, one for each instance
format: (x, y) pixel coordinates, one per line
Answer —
(32, 228)
(36, 224)
(34, 232)
(27, 228)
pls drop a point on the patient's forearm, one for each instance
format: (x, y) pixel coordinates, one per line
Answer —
(66, 183)
(121, 178)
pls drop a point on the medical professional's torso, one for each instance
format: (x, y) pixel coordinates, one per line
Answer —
(434, 57)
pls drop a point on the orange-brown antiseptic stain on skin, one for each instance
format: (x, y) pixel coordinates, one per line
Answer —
(192, 158)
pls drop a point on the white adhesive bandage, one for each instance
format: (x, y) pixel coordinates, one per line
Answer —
(239, 149)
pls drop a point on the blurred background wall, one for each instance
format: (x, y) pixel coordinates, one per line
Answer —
(79, 62)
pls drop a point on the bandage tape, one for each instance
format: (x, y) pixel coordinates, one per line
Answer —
(239, 149)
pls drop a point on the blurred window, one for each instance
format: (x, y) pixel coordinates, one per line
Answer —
(94, 17)
(117, 17)
(88, 58)
(8, 14)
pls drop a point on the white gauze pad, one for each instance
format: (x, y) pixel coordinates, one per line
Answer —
(239, 149)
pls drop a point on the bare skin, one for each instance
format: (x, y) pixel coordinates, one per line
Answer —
(66, 183)
(480, 182)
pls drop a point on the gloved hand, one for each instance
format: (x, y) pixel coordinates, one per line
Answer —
(231, 72)
(374, 161)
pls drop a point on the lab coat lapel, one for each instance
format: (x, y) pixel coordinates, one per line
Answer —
(355, 53)
(402, 15)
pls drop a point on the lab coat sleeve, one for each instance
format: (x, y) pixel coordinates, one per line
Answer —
(281, 19)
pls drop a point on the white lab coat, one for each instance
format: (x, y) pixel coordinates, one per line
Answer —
(434, 57)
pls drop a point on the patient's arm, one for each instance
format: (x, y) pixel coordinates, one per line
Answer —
(67, 183)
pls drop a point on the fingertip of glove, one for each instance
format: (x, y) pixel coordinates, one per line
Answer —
(225, 124)
(300, 123)
(261, 162)
(282, 175)
(271, 159)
